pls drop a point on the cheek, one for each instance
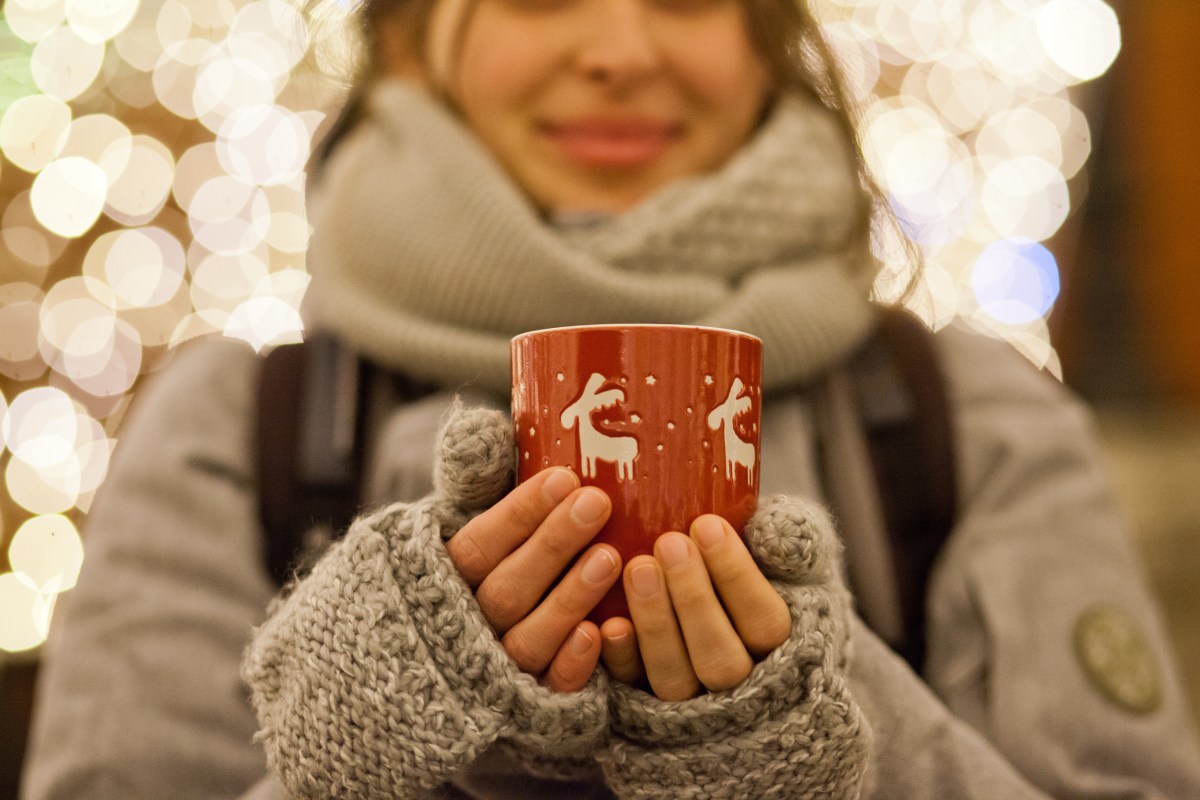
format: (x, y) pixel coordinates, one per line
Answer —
(497, 72)
(734, 78)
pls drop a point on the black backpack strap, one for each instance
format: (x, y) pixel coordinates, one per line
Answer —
(903, 399)
(314, 400)
(309, 447)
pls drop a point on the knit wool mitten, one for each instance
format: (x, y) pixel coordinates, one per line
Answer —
(791, 729)
(377, 675)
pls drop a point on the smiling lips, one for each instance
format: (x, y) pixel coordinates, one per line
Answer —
(612, 142)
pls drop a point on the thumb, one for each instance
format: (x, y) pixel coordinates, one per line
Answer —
(475, 457)
(793, 540)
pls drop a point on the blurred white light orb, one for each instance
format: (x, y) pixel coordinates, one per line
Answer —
(229, 216)
(198, 164)
(140, 43)
(172, 26)
(32, 19)
(109, 371)
(26, 239)
(278, 19)
(222, 282)
(20, 359)
(907, 146)
(1005, 34)
(75, 303)
(64, 65)
(264, 145)
(48, 551)
(229, 83)
(144, 185)
(26, 618)
(144, 267)
(1075, 135)
(265, 322)
(31, 132)
(176, 73)
(215, 15)
(1082, 37)
(1025, 197)
(83, 339)
(921, 30)
(101, 139)
(1021, 131)
(68, 196)
(41, 426)
(288, 285)
(29, 488)
(289, 233)
(1015, 281)
(97, 21)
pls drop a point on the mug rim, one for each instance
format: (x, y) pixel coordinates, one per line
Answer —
(636, 325)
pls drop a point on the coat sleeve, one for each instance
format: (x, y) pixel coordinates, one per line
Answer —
(139, 694)
(1043, 632)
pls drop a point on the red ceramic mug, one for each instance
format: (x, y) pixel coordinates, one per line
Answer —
(664, 418)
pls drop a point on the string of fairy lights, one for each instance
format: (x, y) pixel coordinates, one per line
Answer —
(152, 185)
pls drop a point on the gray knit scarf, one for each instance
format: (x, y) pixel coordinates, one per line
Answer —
(428, 258)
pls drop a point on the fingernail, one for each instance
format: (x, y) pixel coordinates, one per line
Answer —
(672, 550)
(580, 642)
(709, 532)
(618, 639)
(589, 506)
(598, 566)
(644, 578)
(558, 485)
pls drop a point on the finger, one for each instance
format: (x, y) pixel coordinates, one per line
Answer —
(487, 539)
(619, 650)
(534, 641)
(575, 661)
(717, 653)
(520, 581)
(659, 640)
(758, 613)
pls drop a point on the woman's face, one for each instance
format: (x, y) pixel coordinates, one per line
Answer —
(594, 104)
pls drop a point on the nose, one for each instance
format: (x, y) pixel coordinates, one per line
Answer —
(617, 47)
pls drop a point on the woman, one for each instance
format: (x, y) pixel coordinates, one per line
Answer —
(519, 164)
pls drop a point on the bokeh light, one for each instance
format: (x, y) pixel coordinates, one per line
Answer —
(1015, 281)
(47, 552)
(68, 195)
(1080, 36)
(154, 162)
(26, 618)
(31, 131)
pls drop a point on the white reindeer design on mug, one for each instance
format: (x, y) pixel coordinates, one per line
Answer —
(737, 451)
(593, 444)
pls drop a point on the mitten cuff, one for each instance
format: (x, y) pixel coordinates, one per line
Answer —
(791, 729)
(819, 749)
(347, 673)
(469, 654)
(556, 734)
(793, 674)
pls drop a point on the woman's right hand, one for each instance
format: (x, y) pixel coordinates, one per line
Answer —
(513, 554)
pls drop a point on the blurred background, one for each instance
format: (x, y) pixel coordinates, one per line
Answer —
(1044, 153)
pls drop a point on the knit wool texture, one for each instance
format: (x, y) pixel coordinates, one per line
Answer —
(377, 675)
(428, 258)
(792, 729)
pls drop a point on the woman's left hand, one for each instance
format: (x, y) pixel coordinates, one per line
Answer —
(702, 613)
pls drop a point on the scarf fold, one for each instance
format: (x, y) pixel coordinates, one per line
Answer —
(428, 258)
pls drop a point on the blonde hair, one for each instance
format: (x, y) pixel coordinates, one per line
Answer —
(785, 33)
